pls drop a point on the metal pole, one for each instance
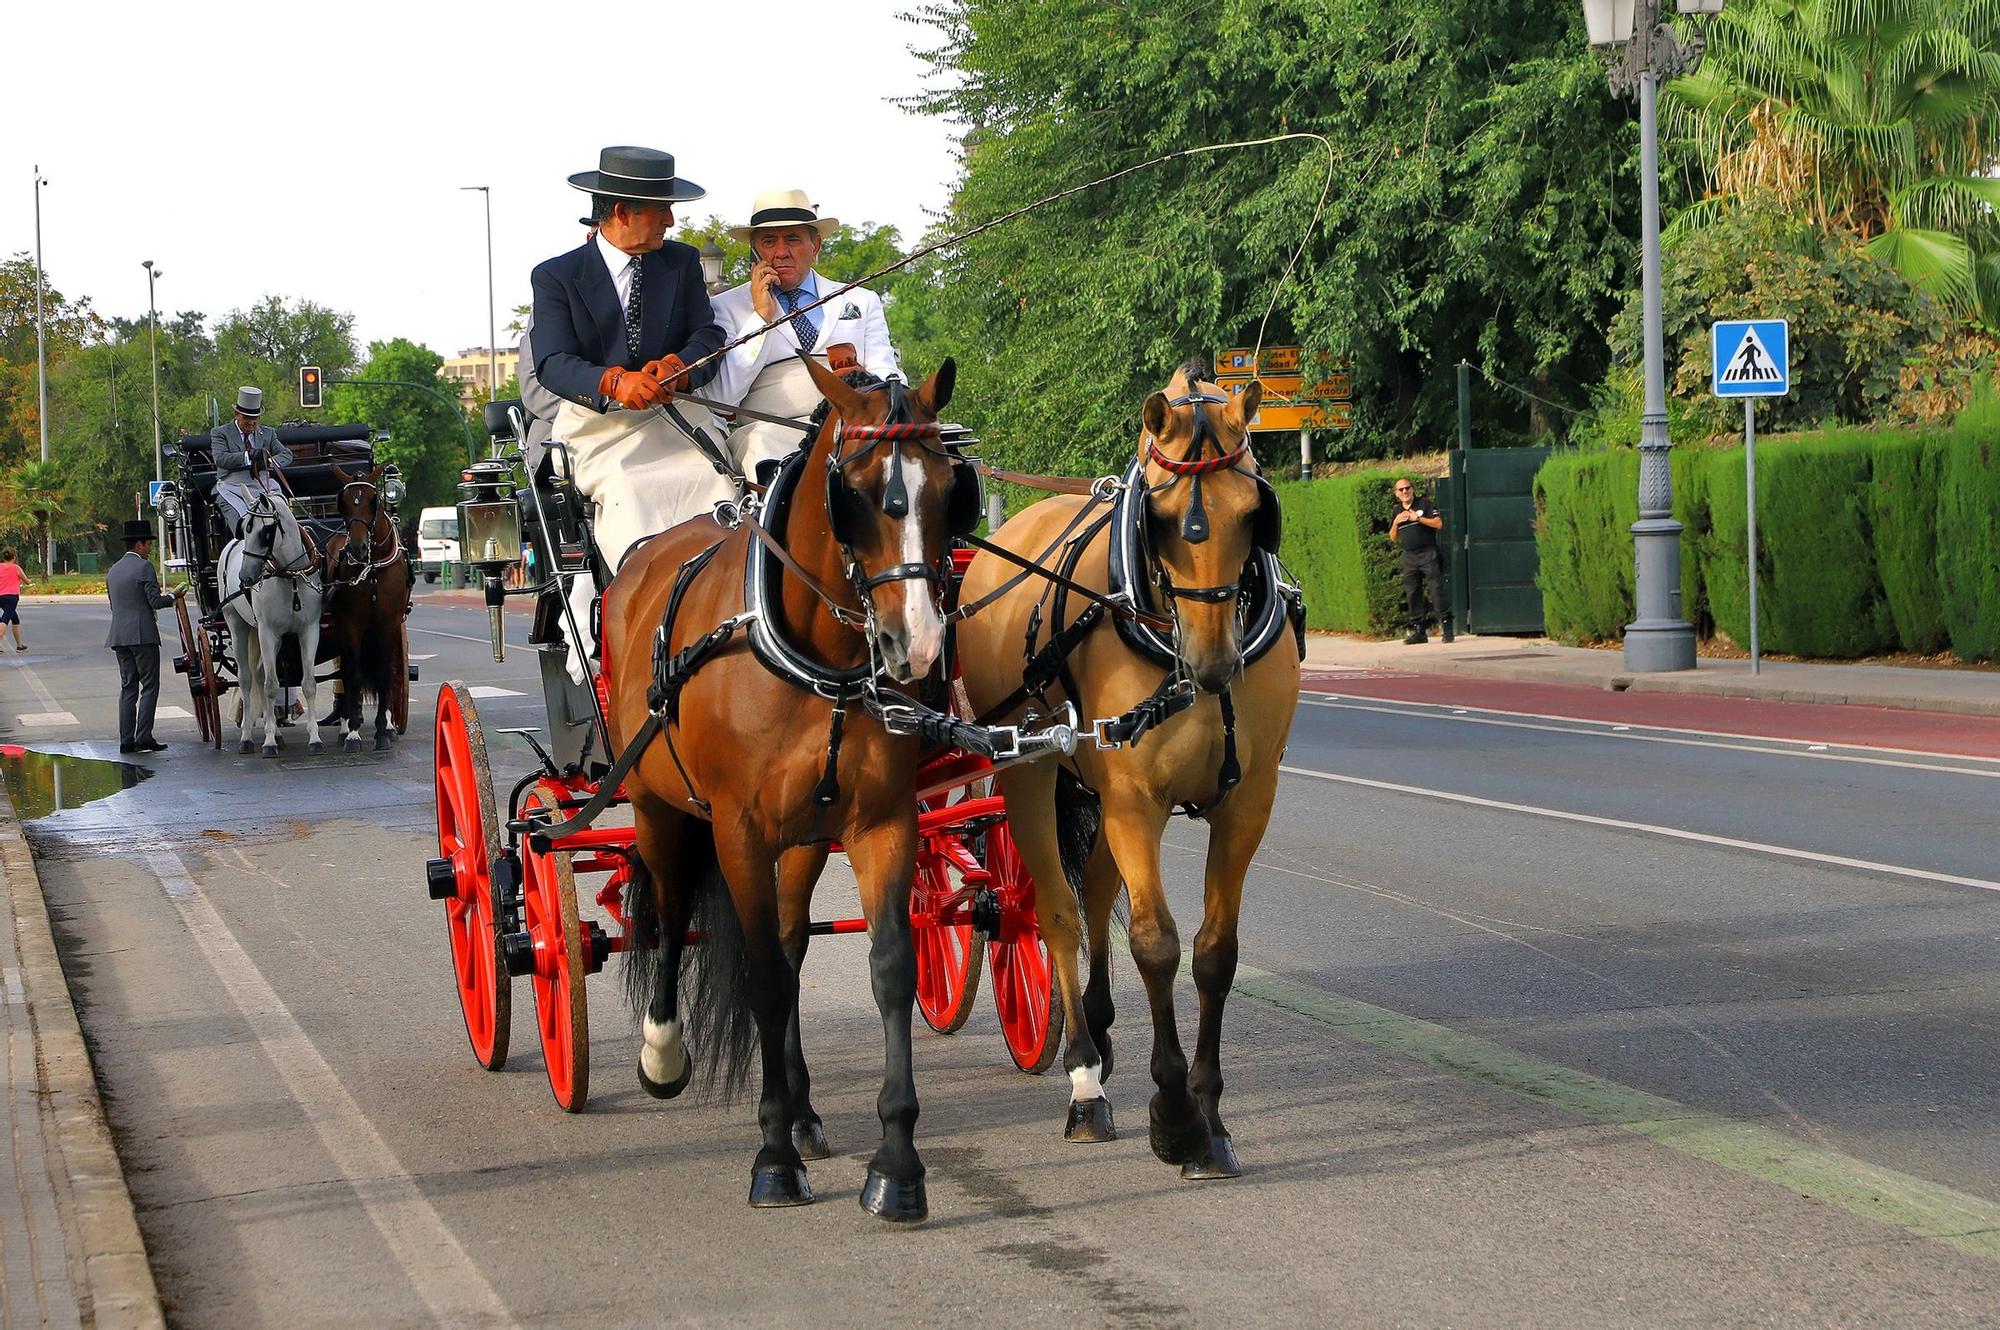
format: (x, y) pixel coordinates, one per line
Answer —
(492, 334)
(153, 339)
(1659, 639)
(1464, 405)
(42, 369)
(1750, 489)
(1305, 454)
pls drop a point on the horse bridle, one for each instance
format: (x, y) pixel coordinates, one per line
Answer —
(365, 567)
(896, 431)
(266, 506)
(1194, 522)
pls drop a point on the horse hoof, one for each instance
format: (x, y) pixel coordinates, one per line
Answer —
(809, 1139)
(672, 1089)
(1217, 1161)
(776, 1186)
(381, 743)
(271, 750)
(244, 746)
(351, 744)
(895, 1200)
(1090, 1121)
(315, 747)
(1177, 1145)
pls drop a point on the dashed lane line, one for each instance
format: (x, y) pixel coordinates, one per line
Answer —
(1653, 829)
(439, 1270)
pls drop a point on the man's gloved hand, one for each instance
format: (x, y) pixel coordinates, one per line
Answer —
(633, 389)
(671, 373)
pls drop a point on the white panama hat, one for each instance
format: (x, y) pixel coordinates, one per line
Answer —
(785, 207)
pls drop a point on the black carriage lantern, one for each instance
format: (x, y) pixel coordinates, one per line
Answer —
(168, 503)
(489, 535)
(393, 491)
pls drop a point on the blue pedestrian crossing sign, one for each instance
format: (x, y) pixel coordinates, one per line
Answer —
(153, 488)
(1752, 357)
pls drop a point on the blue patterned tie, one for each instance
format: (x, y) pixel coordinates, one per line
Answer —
(632, 312)
(800, 323)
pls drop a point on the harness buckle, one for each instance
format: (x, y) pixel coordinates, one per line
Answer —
(1106, 488)
(1100, 736)
(1006, 742)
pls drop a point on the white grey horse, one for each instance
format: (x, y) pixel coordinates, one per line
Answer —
(285, 599)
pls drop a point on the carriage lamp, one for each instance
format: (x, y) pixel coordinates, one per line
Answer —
(169, 503)
(392, 485)
(489, 535)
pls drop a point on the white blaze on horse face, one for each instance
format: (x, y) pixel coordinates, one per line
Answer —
(1085, 1084)
(921, 623)
(663, 1058)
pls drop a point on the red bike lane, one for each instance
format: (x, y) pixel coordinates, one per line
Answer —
(1939, 732)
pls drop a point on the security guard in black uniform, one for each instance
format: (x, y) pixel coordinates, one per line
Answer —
(1415, 529)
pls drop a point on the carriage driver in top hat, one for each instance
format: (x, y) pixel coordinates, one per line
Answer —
(785, 233)
(246, 455)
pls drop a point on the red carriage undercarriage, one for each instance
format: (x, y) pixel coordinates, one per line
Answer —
(510, 891)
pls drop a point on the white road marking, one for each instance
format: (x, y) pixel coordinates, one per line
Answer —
(487, 690)
(440, 1271)
(1746, 743)
(47, 718)
(1674, 833)
(39, 689)
(172, 713)
(461, 637)
(427, 655)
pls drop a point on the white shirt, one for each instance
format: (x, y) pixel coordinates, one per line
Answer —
(622, 266)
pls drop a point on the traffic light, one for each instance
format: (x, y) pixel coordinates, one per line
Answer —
(309, 387)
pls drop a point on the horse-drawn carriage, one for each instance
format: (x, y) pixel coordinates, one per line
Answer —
(779, 682)
(337, 561)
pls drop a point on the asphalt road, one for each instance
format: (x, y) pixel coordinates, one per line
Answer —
(1542, 1021)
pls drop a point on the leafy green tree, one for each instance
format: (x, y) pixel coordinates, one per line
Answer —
(42, 491)
(427, 430)
(68, 324)
(1880, 117)
(1479, 165)
(850, 252)
(266, 344)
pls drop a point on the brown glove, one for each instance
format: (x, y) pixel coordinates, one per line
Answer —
(633, 389)
(841, 358)
(670, 372)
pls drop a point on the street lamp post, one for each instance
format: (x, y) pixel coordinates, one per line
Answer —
(711, 264)
(1645, 52)
(42, 365)
(153, 353)
(492, 335)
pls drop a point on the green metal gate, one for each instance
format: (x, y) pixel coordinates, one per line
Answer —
(1488, 503)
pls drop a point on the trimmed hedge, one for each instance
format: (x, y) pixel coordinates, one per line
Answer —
(1867, 541)
(1337, 545)
(1904, 498)
(1968, 531)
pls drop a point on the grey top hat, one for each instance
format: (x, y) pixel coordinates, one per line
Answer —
(250, 401)
(637, 173)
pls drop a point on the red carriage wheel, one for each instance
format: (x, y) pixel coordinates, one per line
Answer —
(948, 955)
(549, 909)
(469, 838)
(1024, 994)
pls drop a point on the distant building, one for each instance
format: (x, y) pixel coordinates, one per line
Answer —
(468, 369)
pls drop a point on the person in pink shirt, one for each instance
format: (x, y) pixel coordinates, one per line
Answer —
(11, 582)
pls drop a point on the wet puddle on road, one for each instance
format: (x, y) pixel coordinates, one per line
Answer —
(45, 783)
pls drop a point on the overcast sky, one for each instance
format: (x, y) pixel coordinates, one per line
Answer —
(317, 150)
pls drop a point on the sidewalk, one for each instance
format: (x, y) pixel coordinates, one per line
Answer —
(1537, 660)
(70, 1250)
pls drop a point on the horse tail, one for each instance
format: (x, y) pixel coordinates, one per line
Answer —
(720, 1029)
(1079, 822)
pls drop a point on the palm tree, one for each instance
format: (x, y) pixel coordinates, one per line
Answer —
(41, 489)
(1881, 117)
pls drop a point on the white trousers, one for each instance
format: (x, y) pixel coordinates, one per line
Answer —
(783, 388)
(642, 475)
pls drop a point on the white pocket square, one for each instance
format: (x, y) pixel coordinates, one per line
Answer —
(851, 311)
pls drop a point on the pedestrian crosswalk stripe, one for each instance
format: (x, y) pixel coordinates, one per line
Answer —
(172, 713)
(485, 690)
(47, 718)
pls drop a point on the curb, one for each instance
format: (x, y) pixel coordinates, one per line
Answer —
(101, 1229)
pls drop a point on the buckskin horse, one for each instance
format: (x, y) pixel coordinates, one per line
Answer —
(763, 756)
(368, 597)
(1193, 676)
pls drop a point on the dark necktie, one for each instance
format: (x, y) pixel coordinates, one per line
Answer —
(800, 323)
(632, 313)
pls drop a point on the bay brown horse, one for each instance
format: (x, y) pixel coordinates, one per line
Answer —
(1205, 513)
(367, 579)
(736, 799)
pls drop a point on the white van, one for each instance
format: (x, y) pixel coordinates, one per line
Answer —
(437, 541)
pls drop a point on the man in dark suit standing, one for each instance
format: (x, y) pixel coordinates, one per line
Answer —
(135, 636)
(617, 323)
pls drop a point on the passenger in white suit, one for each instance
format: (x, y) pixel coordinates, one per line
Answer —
(765, 374)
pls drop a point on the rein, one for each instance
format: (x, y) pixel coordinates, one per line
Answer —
(364, 568)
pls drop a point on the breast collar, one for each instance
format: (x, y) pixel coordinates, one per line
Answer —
(1130, 563)
(762, 578)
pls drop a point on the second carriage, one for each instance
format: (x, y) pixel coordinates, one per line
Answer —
(511, 891)
(329, 469)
